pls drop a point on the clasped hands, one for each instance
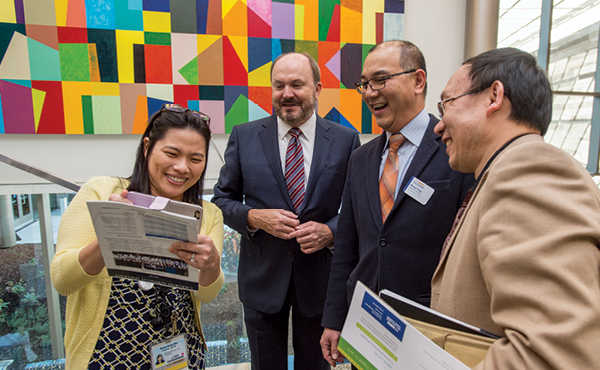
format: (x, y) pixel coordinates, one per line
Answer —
(312, 236)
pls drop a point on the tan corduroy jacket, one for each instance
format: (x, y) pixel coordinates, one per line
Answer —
(524, 261)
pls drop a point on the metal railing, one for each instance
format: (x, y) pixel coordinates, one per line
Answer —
(47, 243)
(39, 173)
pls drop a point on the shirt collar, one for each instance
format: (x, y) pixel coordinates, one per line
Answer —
(307, 128)
(414, 130)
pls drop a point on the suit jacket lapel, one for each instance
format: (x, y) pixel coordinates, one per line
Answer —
(323, 141)
(268, 140)
(429, 145)
(372, 179)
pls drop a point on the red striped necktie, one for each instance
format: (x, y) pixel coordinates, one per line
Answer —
(294, 169)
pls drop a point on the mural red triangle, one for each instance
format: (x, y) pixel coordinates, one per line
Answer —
(235, 73)
(257, 27)
(334, 25)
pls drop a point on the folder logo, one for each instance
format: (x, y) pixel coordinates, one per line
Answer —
(384, 316)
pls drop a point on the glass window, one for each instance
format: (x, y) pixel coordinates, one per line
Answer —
(25, 204)
(24, 320)
(572, 63)
(15, 206)
(222, 319)
(519, 24)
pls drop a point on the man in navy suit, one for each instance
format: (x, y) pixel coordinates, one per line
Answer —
(287, 222)
(418, 197)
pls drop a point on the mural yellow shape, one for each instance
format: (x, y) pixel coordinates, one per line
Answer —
(260, 76)
(125, 41)
(105, 88)
(226, 6)
(370, 9)
(299, 21)
(205, 41)
(7, 11)
(72, 102)
(235, 22)
(37, 97)
(351, 26)
(310, 17)
(157, 21)
(240, 45)
(61, 7)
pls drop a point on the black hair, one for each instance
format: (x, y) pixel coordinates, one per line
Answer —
(158, 126)
(525, 84)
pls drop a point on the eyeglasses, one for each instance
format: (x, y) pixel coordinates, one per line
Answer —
(441, 107)
(179, 109)
(377, 83)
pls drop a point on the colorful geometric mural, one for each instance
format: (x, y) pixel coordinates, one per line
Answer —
(104, 66)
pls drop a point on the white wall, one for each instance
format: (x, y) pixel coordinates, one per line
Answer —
(77, 158)
(435, 26)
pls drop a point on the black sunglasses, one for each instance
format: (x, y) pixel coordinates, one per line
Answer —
(179, 109)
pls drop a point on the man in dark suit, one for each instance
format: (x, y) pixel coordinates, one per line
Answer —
(281, 189)
(400, 196)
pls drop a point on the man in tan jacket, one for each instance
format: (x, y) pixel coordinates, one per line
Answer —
(522, 260)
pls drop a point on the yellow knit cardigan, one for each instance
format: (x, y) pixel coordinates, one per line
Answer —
(88, 295)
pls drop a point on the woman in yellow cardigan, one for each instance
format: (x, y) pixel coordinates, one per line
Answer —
(112, 323)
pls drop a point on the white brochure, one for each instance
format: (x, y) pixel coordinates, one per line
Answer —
(375, 337)
(135, 241)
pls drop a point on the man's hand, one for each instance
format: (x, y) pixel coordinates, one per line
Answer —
(277, 222)
(329, 344)
(312, 236)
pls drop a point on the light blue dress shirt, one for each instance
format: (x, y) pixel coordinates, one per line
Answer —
(413, 131)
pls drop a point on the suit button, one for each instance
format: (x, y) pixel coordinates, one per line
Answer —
(290, 252)
(382, 242)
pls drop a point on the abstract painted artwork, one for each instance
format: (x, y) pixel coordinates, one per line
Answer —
(104, 66)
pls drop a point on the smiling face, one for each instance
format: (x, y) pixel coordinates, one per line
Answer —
(176, 162)
(463, 128)
(402, 98)
(294, 90)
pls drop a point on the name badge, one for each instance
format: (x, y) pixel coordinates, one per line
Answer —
(418, 190)
(170, 354)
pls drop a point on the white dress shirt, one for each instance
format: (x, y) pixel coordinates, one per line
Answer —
(307, 140)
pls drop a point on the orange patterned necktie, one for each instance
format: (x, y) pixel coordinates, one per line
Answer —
(389, 178)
